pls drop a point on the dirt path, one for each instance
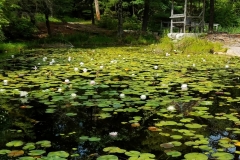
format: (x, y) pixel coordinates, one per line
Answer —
(230, 41)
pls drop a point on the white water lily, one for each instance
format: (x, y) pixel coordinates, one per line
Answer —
(227, 66)
(24, 100)
(59, 89)
(12, 56)
(73, 95)
(171, 108)
(167, 54)
(184, 87)
(81, 63)
(53, 61)
(69, 59)
(143, 97)
(35, 68)
(92, 82)
(50, 63)
(122, 95)
(113, 134)
(188, 55)
(194, 65)
(84, 70)
(67, 81)
(39, 64)
(44, 59)
(101, 67)
(45, 90)
(2, 90)
(75, 69)
(23, 93)
(5, 82)
(155, 67)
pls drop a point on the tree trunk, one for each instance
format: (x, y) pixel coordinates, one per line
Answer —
(120, 18)
(97, 10)
(92, 12)
(145, 15)
(32, 18)
(211, 17)
(48, 24)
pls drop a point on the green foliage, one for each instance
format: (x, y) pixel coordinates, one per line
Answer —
(189, 45)
(132, 23)
(108, 22)
(41, 18)
(197, 46)
(20, 28)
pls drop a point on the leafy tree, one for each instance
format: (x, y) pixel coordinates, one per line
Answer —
(3, 20)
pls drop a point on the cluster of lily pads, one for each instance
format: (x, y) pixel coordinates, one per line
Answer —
(183, 91)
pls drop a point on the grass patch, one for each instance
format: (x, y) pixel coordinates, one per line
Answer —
(7, 49)
(189, 45)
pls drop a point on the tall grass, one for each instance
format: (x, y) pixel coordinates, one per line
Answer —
(7, 49)
(189, 45)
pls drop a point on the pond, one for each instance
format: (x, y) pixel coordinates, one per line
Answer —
(119, 103)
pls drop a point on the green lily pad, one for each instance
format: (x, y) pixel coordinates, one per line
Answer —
(62, 154)
(222, 156)
(14, 144)
(174, 153)
(195, 156)
(4, 151)
(36, 152)
(108, 157)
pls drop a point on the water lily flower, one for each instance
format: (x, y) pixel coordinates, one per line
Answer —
(143, 97)
(101, 67)
(122, 95)
(23, 93)
(170, 108)
(67, 81)
(84, 70)
(35, 68)
(113, 134)
(92, 82)
(81, 63)
(194, 65)
(184, 87)
(188, 55)
(50, 63)
(155, 67)
(167, 54)
(53, 61)
(44, 59)
(39, 64)
(46, 90)
(59, 89)
(5, 82)
(2, 90)
(73, 95)
(227, 66)
(12, 56)
(75, 69)
(69, 59)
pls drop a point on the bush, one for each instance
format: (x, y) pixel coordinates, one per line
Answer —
(19, 29)
(132, 23)
(108, 22)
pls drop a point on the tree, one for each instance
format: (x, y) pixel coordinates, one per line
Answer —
(211, 17)
(97, 10)
(120, 18)
(145, 15)
(3, 20)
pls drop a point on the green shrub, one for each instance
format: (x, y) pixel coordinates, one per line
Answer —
(132, 23)
(108, 22)
(20, 29)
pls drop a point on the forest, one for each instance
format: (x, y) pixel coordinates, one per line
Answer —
(102, 80)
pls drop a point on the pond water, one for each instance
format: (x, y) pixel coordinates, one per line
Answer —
(119, 103)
